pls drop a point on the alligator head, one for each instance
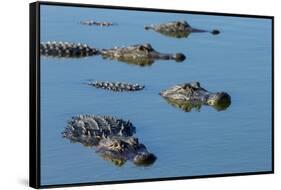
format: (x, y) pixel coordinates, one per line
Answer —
(177, 29)
(111, 137)
(141, 54)
(191, 95)
(120, 149)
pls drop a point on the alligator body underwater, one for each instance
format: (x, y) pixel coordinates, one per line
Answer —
(191, 95)
(66, 49)
(140, 54)
(177, 29)
(112, 137)
(96, 23)
(116, 86)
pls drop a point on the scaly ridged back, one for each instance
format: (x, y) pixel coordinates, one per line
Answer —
(66, 49)
(90, 129)
(116, 86)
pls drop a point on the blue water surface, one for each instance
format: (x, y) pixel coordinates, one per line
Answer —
(238, 61)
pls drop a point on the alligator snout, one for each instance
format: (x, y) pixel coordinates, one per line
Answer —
(179, 57)
(144, 159)
(215, 32)
(220, 100)
(148, 27)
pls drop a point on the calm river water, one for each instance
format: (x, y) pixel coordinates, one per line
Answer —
(237, 61)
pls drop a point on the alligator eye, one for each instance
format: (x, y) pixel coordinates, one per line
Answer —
(141, 48)
(115, 144)
(147, 46)
(178, 24)
(186, 86)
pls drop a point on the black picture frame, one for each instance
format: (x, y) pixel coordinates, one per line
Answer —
(34, 93)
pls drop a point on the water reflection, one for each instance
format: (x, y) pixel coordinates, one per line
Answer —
(188, 106)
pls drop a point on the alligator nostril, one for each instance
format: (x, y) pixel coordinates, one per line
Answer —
(215, 32)
(147, 27)
(179, 57)
(224, 97)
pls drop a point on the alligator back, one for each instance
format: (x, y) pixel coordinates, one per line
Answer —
(117, 86)
(97, 23)
(90, 129)
(66, 49)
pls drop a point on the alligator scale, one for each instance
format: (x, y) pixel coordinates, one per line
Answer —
(112, 137)
(140, 54)
(66, 49)
(177, 29)
(191, 95)
(116, 86)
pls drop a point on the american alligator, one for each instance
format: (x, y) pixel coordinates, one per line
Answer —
(66, 49)
(191, 95)
(116, 86)
(93, 22)
(140, 54)
(177, 29)
(112, 137)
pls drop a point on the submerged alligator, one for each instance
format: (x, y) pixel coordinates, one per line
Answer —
(140, 54)
(66, 49)
(97, 23)
(112, 137)
(191, 95)
(116, 86)
(177, 29)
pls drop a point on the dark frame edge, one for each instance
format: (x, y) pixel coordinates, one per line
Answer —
(34, 144)
(272, 97)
